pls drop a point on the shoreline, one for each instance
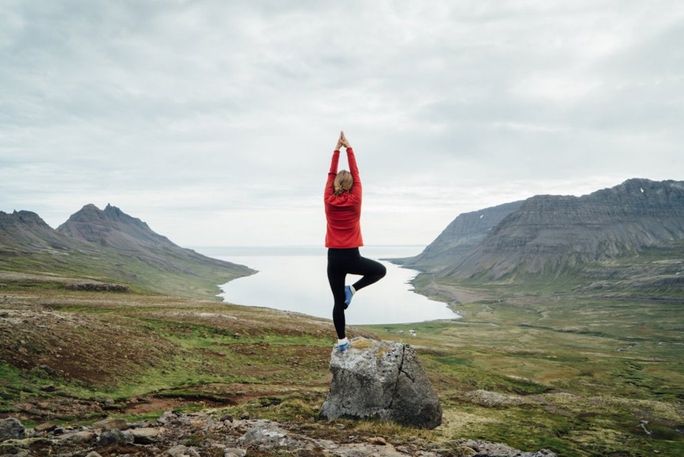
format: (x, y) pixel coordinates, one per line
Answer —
(407, 285)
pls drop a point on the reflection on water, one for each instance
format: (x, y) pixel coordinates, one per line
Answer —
(294, 279)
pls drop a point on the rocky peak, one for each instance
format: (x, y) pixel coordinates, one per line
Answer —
(114, 212)
(22, 217)
(107, 219)
(89, 212)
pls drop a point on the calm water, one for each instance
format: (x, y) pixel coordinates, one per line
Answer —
(294, 279)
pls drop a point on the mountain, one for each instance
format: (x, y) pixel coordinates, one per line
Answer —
(460, 237)
(112, 228)
(23, 232)
(554, 234)
(109, 245)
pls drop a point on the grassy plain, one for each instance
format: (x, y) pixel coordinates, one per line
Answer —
(581, 375)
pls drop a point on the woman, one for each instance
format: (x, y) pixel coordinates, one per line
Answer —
(342, 197)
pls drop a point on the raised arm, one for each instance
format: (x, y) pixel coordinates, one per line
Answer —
(332, 173)
(354, 170)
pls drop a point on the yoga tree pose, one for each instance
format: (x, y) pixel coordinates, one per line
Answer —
(342, 197)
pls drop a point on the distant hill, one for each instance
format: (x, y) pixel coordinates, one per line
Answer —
(553, 234)
(109, 245)
(460, 237)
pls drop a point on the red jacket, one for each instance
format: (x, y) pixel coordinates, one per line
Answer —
(343, 212)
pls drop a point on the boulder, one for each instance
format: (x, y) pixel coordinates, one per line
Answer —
(381, 380)
(11, 428)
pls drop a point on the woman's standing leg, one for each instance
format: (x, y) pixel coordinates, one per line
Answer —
(336, 277)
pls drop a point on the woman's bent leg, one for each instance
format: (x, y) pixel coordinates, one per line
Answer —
(371, 270)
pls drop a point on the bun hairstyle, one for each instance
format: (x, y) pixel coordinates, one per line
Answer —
(343, 182)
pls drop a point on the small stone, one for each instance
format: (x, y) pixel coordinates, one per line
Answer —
(111, 424)
(227, 417)
(114, 436)
(182, 451)
(503, 450)
(167, 417)
(10, 428)
(244, 416)
(265, 434)
(14, 452)
(377, 440)
(44, 427)
(234, 452)
(145, 435)
(83, 436)
(93, 454)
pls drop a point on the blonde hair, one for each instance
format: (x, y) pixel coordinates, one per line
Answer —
(343, 182)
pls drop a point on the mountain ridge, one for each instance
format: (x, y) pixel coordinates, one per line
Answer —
(112, 245)
(551, 234)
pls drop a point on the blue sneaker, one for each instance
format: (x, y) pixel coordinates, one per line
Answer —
(347, 296)
(343, 347)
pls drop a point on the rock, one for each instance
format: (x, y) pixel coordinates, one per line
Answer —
(370, 450)
(381, 380)
(488, 449)
(145, 435)
(14, 452)
(93, 454)
(265, 434)
(377, 440)
(44, 427)
(80, 437)
(182, 451)
(111, 424)
(167, 417)
(11, 428)
(234, 452)
(114, 436)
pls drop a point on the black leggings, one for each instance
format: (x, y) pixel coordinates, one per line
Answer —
(349, 261)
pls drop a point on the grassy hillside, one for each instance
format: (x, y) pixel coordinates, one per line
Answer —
(109, 246)
(187, 279)
(576, 376)
(592, 360)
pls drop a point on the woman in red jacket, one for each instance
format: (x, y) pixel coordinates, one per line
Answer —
(342, 197)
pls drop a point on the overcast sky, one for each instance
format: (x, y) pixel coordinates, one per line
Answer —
(214, 121)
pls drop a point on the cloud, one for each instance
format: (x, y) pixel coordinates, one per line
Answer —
(214, 121)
